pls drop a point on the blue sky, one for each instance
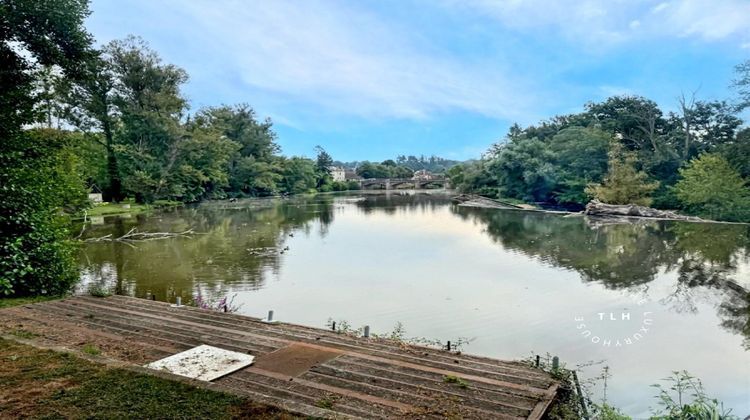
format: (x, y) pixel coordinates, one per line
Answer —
(369, 80)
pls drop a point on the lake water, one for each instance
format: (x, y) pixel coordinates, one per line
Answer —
(644, 298)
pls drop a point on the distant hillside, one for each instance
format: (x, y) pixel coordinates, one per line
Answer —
(434, 164)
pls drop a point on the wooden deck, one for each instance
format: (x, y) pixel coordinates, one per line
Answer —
(305, 370)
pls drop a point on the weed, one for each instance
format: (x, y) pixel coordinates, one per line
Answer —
(327, 402)
(225, 304)
(91, 349)
(21, 333)
(674, 400)
(97, 290)
(451, 379)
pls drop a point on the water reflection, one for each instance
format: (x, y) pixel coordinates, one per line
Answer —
(241, 246)
(238, 245)
(628, 255)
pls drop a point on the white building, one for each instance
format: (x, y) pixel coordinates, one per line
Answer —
(338, 174)
(422, 175)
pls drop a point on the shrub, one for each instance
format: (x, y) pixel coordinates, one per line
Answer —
(711, 187)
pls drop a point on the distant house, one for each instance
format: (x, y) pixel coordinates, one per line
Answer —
(351, 174)
(95, 195)
(338, 173)
(422, 175)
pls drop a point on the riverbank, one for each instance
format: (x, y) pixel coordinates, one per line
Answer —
(118, 209)
(42, 383)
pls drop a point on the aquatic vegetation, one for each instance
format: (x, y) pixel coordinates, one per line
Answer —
(224, 304)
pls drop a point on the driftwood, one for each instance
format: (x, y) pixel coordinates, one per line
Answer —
(597, 208)
(472, 200)
(134, 236)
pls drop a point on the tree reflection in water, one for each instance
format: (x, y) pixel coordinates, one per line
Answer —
(242, 246)
(705, 256)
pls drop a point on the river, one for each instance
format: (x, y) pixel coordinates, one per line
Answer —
(642, 299)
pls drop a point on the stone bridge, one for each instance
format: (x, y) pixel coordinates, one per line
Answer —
(394, 183)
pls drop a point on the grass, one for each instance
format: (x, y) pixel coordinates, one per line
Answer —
(108, 209)
(46, 384)
(21, 333)
(91, 349)
(327, 402)
(450, 379)
(8, 302)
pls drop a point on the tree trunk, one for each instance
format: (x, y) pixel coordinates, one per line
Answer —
(113, 171)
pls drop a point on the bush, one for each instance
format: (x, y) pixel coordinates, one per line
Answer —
(36, 256)
(711, 187)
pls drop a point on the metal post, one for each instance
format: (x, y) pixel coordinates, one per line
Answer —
(448, 346)
(580, 396)
(367, 331)
(333, 326)
(270, 316)
(537, 360)
(178, 300)
(555, 363)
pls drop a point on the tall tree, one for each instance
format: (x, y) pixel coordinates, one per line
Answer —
(90, 107)
(623, 184)
(34, 255)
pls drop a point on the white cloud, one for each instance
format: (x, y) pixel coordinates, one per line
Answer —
(659, 7)
(606, 21)
(348, 61)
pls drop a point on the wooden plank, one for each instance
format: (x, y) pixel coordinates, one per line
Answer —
(482, 363)
(302, 366)
(397, 352)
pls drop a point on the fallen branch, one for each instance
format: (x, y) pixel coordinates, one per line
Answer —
(134, 236)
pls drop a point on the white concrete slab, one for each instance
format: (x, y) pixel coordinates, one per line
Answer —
(203, 362)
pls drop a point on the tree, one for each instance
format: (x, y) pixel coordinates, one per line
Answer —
(636, 121)
(623, 184)
(35, 257)
(580, 158)
(90, 107)
(711, 187)
(524, 169)
(742, 84)
(298, 175)
(323, 163)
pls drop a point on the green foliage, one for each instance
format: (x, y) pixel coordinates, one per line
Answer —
(623, 184)
(36, 256)
(711, 187)
(607, 412)
(451, 379)
(8, 302)
(91, 349)
(298, 175)
(99, 291)
(685, 399)
(344, 185)
(742, 84)
(386, 169)
(35, 182)
(555, 161)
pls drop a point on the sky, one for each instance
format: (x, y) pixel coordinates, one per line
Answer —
(374, 79)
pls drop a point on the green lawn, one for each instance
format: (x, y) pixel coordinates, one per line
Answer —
(16, 301)
(110, 209)
(47, 384)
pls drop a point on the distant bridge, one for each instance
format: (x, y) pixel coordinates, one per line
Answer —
(394, 183)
